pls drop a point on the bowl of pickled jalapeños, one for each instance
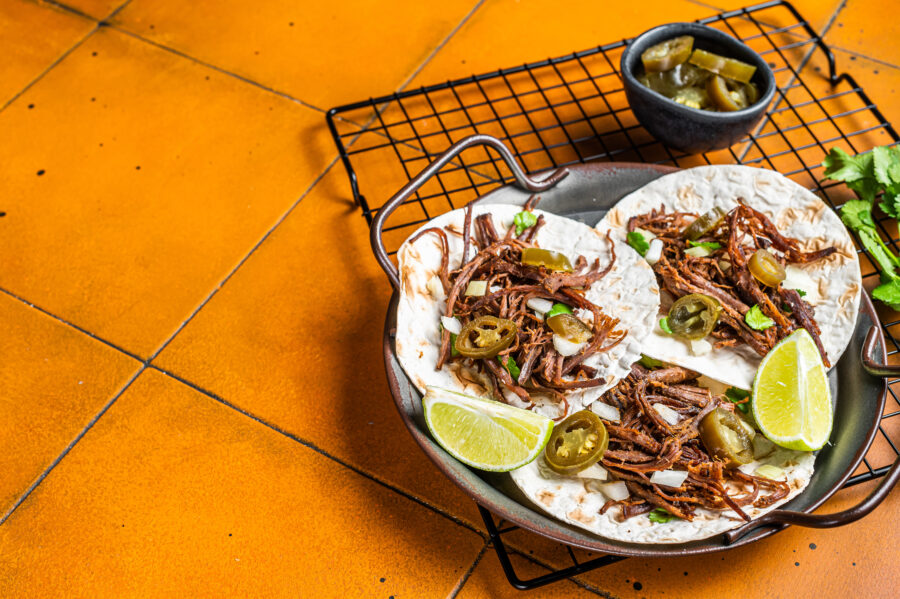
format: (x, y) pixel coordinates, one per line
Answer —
(695, 88)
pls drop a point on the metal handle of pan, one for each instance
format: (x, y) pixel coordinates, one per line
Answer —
(775, 517)
(522, 180)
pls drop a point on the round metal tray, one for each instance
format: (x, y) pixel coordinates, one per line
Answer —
(585, 193)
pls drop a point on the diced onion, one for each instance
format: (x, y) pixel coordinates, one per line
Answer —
(648, 236)
(476, 288)
(539, 304)
(495, 288)
(594, 471)
(769, 471)
(654, 252)
(451, 324)
(606, 411)
(565, 347)
(667, 413)
(436, 288)
(700, 347)
(797, 278)
(617, 491)
(697, 252)
(762, 447)
(539, 316)
(725, 265)
(669, 478)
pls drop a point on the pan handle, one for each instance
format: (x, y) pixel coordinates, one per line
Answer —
(875, 368)
(522, 181)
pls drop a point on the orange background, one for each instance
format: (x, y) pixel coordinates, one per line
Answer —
(193, 397)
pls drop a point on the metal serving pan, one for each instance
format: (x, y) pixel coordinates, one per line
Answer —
(585, 192)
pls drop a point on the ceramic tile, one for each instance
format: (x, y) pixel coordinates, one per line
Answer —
(139, 180)
(26, 56)
(816, 12)
(174, 494)
(303, 319)
(858, 29)
(322, 53)
(489, 581)
(98, 9)
(55, 380)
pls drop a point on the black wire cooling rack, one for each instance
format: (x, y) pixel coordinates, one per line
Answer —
(572, 109)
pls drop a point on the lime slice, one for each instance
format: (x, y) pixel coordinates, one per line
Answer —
(482, 433)
(791, 398)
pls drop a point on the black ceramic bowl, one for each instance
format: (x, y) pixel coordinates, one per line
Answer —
(681, 127)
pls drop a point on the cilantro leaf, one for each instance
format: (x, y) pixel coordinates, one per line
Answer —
(637, 241)
(757, 320)
(710, 245)
(660, 515)
(648, 362)
(523, 220)
(453, 351)
(841, 166)
(857, 214)
(557, 309)
(511, 367)
(739, 397)
(889, 293)
(800, 292)
(664, 325)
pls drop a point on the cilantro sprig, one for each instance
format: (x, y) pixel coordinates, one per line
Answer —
(524, 220)
(756, 319)
(738, 397)
(637, 241)
(661, 516)
(709, 245)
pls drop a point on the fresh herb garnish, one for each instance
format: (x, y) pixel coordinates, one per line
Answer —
(739, 398)
(453, 351)
(648, 362)
(661, 516)
(757, 320)
(709, 245)
(800, 292)
(557, 309)
(637, 241)
(523, 220)
(664, 325)
(511, 367)
(867, 174)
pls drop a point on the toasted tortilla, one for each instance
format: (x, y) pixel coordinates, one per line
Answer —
(628, 292)
(834, 284)
(578, 501)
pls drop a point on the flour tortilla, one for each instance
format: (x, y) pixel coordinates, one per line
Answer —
(628, 292)
(796, 212)
(578, 501)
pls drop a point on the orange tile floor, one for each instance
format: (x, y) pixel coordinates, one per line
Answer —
(194, 402)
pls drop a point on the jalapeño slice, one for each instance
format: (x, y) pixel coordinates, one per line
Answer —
(576, 443)
(725, 438)
(667, 54)
(694, 316)
(546, 258)
(720, 65)
(766, 268)
(730, 95)
(485, 337)
(569, 328)
(705, 224)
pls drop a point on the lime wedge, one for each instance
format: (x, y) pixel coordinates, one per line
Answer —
(482, 433)
(791, 398)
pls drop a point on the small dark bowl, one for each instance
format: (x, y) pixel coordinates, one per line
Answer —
(690, 129)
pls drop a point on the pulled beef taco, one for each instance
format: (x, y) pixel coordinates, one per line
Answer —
(746, 256)
(522, 306)
(672, 470)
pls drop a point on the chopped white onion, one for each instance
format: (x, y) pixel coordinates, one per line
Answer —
(648, 235)
(697, 252)
(725, 265)
(667, 413)
(769, 471)
(700, 347)
(436, 288)
(539, 316)
(762, 447)
(594, 471)
(617, 491)
(654, 252)
(797, 278)
(669, 478)
(476, 288)
(451, 324)
(606, 411)
(565, 347)
(495, 288)
(539, 304)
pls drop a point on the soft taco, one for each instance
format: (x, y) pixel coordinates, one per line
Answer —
(721, 232)
(522, 306)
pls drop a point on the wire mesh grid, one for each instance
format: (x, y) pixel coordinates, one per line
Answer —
(572, 109)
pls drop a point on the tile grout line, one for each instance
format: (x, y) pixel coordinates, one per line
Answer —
(319, 450)
(71, 444)
(465, 577)
(866, 56)
(60, 58)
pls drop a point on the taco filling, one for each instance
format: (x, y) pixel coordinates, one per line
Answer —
(727, 275)
(517, 314)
